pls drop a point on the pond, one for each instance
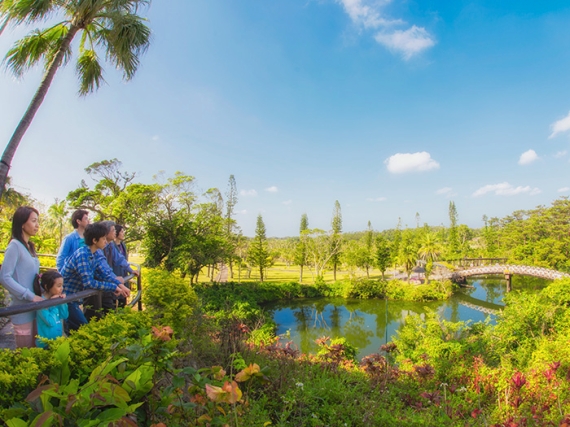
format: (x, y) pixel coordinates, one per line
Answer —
(367, 324)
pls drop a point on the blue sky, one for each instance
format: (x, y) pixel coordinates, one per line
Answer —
(390, 107)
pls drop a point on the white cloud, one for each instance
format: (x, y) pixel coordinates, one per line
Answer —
(406, 42)
(528, 157)
(155, 137)
(564, 189)
(446, 191)
(242, 212)
(251, 192)
(368, 14)
(505, 189)
(560, 154)
(560, 126)
(376, 199)
(287, 202)
(272, 189)
(411, 162)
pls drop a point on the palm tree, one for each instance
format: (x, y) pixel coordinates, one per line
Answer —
(430, 250)
(111, 26)
(57, 214)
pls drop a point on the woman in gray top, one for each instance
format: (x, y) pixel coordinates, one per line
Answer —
(19, 270)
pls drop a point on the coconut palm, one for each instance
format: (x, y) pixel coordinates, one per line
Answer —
(430, 250)
(109, 27)
(57, 214)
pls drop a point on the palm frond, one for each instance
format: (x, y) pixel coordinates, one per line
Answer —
(126, 38)
(31, 10)
(29, 50)
(60, 31)
(90, 72)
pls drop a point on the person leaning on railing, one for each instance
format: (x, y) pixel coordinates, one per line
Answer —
(80, 270)
(19, 270)
(74, 240)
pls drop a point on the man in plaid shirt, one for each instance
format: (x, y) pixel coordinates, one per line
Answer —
(84, 270)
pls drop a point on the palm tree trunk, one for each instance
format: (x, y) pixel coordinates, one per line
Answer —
(37, 100)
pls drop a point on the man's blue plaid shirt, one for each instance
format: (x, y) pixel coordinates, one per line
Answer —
(84, 270)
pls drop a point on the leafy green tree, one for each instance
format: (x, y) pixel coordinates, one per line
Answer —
(259, 254)
(336, 225)
(382, 256)
(112, 26)
(321, 247)
(355, 255)
(301, 250)
(115, 196)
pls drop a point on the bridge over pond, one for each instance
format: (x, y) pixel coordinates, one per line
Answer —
(504, 269)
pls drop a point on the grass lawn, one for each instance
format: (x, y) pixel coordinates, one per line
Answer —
(280, 272)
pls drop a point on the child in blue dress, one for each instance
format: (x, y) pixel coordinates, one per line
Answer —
(50, 320)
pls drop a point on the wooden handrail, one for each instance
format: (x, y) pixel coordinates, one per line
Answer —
(34, 306)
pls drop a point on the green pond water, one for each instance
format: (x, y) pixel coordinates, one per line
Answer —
(367, 324)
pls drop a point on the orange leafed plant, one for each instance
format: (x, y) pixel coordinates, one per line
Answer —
(163, 334)
(229, 393)
(247, 373)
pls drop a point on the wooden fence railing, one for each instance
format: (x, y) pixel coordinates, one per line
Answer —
(34, 306)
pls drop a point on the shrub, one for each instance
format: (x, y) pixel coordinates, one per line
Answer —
(20, 371)
(169, 300)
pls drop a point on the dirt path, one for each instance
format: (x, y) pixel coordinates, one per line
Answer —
(222, 276)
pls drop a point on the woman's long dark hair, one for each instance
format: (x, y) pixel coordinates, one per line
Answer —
(21, 216)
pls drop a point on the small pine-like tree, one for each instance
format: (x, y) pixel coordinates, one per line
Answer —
(259, 255)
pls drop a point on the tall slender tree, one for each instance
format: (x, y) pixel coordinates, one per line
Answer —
(301, 250)
(112, 26)
(336, 237)
(453, 240)
(259, 255)
(231, 201)
(368, 245)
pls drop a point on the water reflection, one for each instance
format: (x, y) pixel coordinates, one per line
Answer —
(367, 324)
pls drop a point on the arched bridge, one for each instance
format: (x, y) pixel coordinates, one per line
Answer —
(523, 270)
(507, 270)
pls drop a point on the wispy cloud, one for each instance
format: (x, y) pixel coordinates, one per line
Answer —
(505, 189)
(560, 126)
(155, 138)
(251, 193)
(528, 157)
(560, 154)
(446, 191)
(411, 162)
(242, 212)
(272, 189)
(287, 202)
(369, 14)
(564, 189)
(376, 199)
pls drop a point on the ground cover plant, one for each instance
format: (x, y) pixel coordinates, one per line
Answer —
(204, 368)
